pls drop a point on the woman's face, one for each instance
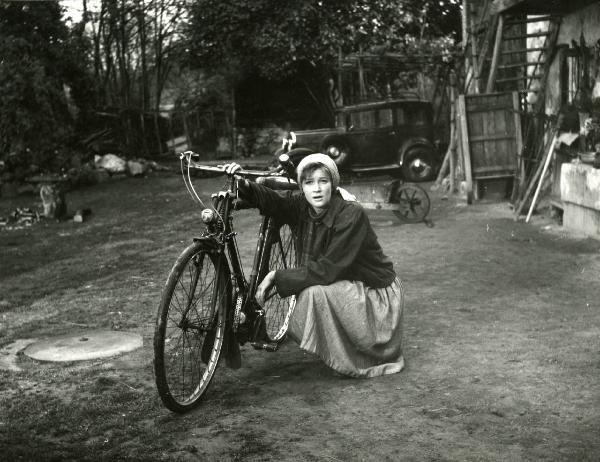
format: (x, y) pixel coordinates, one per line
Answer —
(317, 189)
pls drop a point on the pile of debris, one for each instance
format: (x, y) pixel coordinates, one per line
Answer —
(114, 164)
(19, 218)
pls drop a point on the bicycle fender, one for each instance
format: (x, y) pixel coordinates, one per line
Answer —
(209, 241)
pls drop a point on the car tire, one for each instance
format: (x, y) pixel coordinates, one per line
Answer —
(342, 160)
(418, 165)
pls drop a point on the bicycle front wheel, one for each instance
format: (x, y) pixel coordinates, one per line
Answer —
(190, 327)
(280, 253)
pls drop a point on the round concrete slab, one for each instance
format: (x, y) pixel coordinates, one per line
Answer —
(83, 346)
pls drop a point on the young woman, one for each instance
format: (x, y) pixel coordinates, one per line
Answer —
(349, 302)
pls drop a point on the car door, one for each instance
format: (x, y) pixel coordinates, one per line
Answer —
(371, 136)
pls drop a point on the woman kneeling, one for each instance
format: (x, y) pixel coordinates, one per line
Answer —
(349, 305)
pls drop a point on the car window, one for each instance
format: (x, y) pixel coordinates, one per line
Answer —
(385, 118)
(400, 116)
(418, 118)
(363, 119)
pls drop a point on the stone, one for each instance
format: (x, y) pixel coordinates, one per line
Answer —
(111, 163)
(135, 168)
(81, 215)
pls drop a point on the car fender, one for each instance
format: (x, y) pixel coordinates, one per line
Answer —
(412, 143)
(297, 154)
(339, 139)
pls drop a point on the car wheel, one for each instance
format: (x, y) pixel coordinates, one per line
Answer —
(413, 203)
(338, 151)
(417, 165)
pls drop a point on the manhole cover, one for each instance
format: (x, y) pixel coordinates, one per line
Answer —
(83, 346)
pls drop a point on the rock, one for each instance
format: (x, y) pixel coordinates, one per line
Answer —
(111, 163)
(135, 168)
(81, 215)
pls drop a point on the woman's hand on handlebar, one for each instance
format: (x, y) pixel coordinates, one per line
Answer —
(231, 168)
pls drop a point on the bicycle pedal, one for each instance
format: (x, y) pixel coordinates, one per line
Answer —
(270, 347)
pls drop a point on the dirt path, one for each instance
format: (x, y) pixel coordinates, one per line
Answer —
(502, 344)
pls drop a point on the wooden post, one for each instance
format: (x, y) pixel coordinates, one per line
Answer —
(541, 180)
(339, 76)
(474, 52)
(483, 52)
(496, 56)
(452, 146)
(520, 174)
(466, 155)
(361, 77)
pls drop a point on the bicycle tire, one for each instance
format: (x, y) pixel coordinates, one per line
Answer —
(190, 328)
(280, 253)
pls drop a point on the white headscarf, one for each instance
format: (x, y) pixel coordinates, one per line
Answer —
(322, 160)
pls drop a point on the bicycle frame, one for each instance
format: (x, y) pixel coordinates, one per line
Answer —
(225, 244)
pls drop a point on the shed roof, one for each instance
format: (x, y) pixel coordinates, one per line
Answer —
(558, 7)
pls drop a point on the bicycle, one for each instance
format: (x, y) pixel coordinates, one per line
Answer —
(208, 307)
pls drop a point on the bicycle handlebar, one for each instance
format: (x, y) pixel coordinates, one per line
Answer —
(188, 156)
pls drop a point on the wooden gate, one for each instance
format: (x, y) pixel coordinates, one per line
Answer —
(491, 142)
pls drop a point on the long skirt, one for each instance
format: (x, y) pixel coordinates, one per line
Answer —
(354, 329)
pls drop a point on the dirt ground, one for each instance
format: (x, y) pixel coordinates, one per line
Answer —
(502, 343)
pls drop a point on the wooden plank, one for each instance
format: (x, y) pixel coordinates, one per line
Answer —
(495, 56)
(491, 168)
(520, 167)
(466, 157)
(491, 137)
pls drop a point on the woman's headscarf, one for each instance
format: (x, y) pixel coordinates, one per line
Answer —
(323, 161)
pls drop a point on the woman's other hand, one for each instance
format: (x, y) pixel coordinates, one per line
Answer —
(263, 288)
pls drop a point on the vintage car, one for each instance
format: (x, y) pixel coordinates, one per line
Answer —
(393, 136)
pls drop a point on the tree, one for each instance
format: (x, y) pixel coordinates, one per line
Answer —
(304, 38)
(36, 65)
(135, 46)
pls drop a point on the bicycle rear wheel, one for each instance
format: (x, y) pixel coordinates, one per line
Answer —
(280, 253)
(190, 327)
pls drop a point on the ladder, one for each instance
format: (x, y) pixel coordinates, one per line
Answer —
(522, 53)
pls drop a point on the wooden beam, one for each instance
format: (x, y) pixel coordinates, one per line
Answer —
(466, 153)
(495, 57)
(539, 186)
